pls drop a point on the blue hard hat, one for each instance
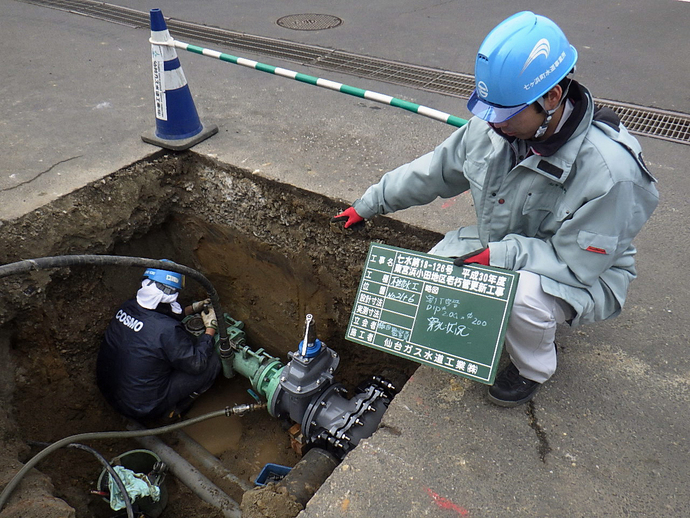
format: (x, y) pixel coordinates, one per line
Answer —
(519, 61)
(171, 279)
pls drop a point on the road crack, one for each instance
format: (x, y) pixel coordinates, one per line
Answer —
(544, 448)
(41, 173)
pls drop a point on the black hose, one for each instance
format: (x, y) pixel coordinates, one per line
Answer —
(113, 474)
(61, 261)
(108, 468)
(12, 484)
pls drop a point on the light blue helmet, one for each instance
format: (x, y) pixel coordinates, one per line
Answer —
(520, 60)
(171, 279)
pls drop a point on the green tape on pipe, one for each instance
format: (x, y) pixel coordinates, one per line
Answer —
(357, 92)
(265, 68)
(304, 78)
(399, 103)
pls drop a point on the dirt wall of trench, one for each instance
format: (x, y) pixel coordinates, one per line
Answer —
(268, 248)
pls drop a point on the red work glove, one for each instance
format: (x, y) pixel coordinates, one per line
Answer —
(476, 257)
(350, 217)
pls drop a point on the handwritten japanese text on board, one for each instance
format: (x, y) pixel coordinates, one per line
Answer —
(425, 309)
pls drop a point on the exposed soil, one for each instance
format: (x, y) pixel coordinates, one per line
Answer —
(272, 501)
(268, 249)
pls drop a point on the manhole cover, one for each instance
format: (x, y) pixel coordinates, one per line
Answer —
(309, 22)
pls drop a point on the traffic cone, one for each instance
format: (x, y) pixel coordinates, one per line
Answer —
(177, 122)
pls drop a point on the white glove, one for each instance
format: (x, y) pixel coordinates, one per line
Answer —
(209, 318)
(199, 305)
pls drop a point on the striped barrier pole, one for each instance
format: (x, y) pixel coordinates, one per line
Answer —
(324, 83)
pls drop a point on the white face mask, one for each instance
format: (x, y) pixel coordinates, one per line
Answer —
(149, 296)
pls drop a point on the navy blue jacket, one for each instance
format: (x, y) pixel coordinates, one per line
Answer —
(140, 352)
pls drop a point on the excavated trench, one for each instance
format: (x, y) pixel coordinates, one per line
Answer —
(270, 252)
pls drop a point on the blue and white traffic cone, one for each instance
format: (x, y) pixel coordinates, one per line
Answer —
(177, 122)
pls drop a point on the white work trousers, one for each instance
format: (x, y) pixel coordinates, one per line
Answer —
(531, 332)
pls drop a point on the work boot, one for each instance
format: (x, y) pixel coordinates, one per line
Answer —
(510, 389)
(184, 406)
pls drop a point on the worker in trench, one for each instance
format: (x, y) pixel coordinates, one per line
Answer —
(148, 365)
(559, 188)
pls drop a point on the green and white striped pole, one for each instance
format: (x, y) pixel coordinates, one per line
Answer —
(324, 83)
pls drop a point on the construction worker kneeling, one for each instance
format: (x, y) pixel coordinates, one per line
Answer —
(148, 365)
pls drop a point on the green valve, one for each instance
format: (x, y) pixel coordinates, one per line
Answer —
(259, 367)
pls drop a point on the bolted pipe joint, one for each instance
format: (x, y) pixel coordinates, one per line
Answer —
(338, 424)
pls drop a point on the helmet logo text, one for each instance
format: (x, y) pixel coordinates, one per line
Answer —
(482, 89)
(546, 73)
(542, 48)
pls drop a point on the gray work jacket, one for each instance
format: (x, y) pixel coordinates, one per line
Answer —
(570, 217)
